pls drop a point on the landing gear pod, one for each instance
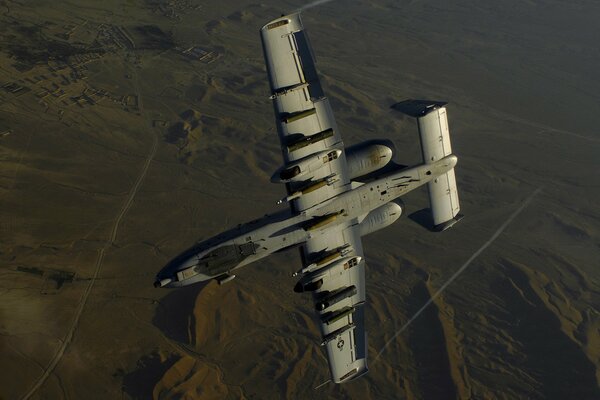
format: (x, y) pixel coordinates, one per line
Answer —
(301, 169)
(314, 280)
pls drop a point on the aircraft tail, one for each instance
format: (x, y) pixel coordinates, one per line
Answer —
(435, 144)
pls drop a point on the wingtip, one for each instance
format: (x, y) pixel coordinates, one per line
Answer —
(448, 224)
(417, 108)
(279, 21)
(353, 374)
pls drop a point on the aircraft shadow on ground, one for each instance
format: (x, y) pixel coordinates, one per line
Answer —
(423, 218)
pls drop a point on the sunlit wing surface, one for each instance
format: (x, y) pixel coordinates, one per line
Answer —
(336, 196)
(308, 134)
(305, 122)
(340, 300)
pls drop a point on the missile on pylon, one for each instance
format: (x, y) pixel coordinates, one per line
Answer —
(335, 298)
(311, 187)
(326, 259)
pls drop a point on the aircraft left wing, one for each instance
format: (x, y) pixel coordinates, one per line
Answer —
(333, 264)
(305, 122)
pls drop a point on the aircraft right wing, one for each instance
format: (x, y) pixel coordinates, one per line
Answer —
(339, 295)
(307, 131)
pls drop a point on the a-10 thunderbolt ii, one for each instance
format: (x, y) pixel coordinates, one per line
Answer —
(331, 205)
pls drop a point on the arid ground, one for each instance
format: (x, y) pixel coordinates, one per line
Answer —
(130, 130)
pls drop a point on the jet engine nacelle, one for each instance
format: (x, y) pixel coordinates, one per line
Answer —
(381, 217)
(367, 157)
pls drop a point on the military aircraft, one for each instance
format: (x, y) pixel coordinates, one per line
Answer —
(336, 195)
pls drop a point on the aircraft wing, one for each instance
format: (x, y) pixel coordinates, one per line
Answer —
(340, 299)
(304, 118)
(306, 126)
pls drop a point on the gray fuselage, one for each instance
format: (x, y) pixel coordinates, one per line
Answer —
(247, 243)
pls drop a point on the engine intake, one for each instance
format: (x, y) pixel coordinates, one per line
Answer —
(381, 217)
(367, 157)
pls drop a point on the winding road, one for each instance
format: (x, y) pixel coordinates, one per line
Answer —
(113, 236)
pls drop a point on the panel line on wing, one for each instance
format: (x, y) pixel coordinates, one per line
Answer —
(296, 56)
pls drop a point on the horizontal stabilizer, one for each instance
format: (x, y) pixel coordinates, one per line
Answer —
(432, 120)
(443, 198)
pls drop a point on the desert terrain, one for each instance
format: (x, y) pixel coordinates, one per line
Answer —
(130, 130)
